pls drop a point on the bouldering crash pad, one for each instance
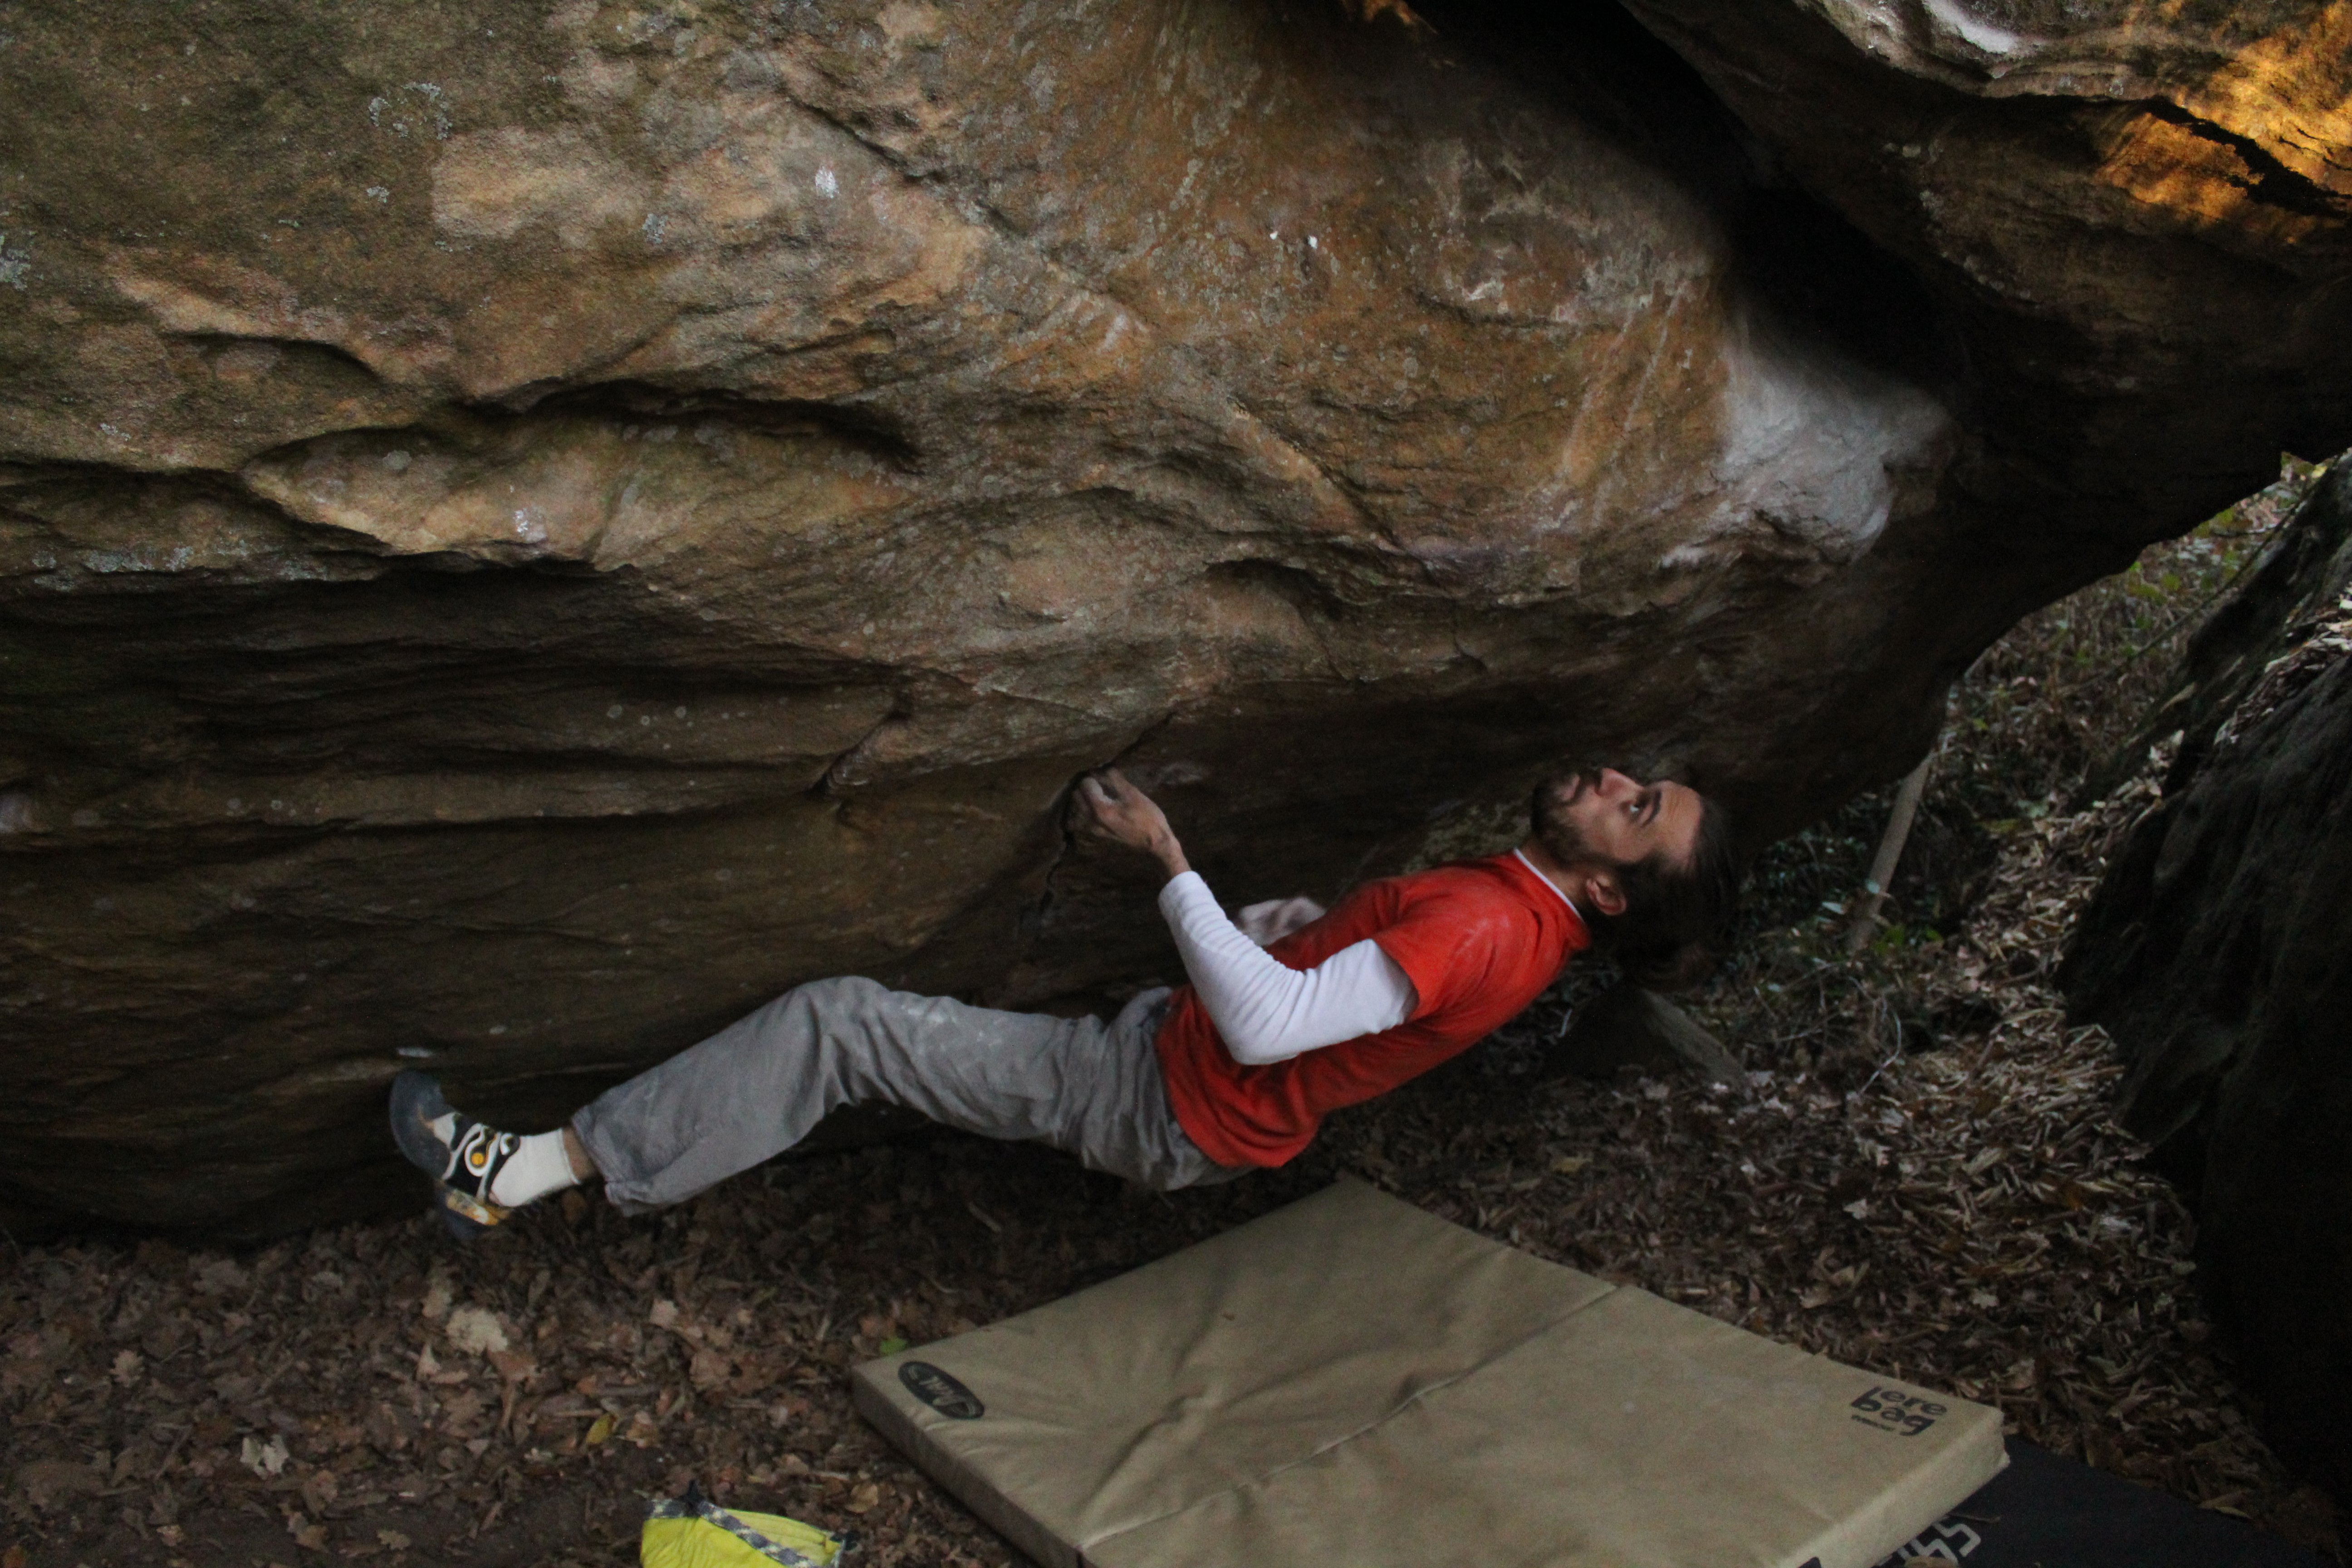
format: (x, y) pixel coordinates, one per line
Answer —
(1350, 1380)
(2046, 1510)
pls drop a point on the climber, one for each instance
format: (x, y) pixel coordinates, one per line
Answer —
(1201, 1084)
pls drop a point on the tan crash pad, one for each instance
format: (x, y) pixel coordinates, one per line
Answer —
(1352, 1382)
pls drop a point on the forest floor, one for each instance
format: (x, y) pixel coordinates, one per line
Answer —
(1919, 1178)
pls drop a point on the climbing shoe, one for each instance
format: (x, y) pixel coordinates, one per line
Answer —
(462, 1155)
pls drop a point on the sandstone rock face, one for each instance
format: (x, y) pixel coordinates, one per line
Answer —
(2214, 953)
(525, 529)
(2131, 211)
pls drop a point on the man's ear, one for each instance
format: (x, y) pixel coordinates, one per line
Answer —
(1606, 896)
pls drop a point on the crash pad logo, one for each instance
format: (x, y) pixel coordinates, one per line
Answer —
(1892, 1410)
(940, 1392)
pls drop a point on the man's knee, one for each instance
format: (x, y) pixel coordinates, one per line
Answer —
(835, 995)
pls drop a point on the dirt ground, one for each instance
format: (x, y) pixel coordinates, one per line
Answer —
(1918, 1177)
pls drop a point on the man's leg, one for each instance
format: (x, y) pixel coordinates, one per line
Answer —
(758, 1086)
(1124, 1124)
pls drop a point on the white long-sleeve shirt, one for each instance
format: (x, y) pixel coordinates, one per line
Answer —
(1265, 1010)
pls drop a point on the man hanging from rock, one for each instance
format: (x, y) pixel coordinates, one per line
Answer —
(1203, 1083)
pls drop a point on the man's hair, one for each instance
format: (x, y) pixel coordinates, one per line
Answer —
(1677, 917)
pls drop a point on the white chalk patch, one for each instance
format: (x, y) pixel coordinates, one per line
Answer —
(1812, 443)
(1973, 29)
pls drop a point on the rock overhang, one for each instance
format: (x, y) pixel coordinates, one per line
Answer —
(551, 559)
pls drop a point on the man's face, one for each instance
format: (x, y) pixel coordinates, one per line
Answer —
(1608, 817)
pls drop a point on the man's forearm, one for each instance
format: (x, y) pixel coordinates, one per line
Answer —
(1170, 856)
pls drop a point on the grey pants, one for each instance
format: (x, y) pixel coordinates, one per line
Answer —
(757, 1086)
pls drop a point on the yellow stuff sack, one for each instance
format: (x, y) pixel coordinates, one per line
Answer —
(692, 1531)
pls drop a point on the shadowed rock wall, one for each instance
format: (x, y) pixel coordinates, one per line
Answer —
(525, 529)
(2214, 953)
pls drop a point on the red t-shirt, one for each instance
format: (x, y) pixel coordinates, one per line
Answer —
(1478, 939)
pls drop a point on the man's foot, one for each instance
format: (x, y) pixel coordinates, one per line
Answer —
(462, 1155)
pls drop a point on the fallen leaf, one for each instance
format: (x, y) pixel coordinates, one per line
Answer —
(48, 1482)
(221, 1277)
(709, 1369)
(599, 1430)
(476, 1329)
(664, 1315)
(863, 1500)
(264, 1458)
(392, 1540)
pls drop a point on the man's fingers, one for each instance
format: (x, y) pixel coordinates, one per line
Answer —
(1099, 806)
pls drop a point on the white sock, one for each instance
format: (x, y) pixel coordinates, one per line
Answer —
(538, 1166)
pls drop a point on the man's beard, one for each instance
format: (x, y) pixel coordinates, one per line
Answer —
(1555, 830)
